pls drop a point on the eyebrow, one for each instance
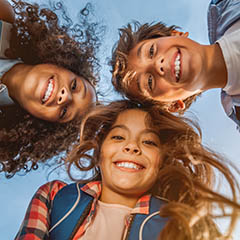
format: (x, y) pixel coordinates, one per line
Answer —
(142, 92)
(139, 51)
(70, 116)
(147, 130)
(138, 85)
(139, 54)
(64, 119)
(84, 88)
(119, 126)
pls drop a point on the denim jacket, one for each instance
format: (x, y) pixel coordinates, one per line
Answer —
(71, 206)
(222, 14)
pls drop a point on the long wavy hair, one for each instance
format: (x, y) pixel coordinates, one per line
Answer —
(186, 179)
(46, 35)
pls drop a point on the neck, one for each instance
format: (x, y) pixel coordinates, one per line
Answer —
(108, 196)
(14, 78)
(216, 74)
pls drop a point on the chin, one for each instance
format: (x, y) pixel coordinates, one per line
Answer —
(128, 188)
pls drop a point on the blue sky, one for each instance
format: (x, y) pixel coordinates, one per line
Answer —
(219, 132)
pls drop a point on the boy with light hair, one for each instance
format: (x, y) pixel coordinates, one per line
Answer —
(160, 63)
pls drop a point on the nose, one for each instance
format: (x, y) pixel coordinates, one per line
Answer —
(159, 66)
(64, 96)
(132, 148)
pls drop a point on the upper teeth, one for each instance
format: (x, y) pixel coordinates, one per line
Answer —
(128, 165)
(48, 91)
(177, 66)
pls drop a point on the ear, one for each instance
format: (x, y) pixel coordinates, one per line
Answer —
(176, 106)
(179, 34)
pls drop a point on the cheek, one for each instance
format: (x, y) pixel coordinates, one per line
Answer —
(104, 155)
(156, 165)
(162, 87)
(163, 44)
(108, 150)
(104, 168)
(156, 162)
(30, 106)
(48, 114)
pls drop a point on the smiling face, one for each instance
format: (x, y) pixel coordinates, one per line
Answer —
(167, 68)
(54, 94)
(130, 155)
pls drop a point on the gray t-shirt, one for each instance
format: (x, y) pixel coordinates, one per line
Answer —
(5, 65)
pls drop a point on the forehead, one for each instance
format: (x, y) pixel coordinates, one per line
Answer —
(48, 67)
(132, 118)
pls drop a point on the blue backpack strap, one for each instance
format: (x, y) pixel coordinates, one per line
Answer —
(145, 227)
(68, 209)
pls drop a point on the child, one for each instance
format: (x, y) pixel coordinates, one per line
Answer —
(143, 160)
(160, 63)
(52, 80)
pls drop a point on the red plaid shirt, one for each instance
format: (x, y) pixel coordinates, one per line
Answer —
(36, 223)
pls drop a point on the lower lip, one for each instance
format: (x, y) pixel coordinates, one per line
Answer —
(128, 169)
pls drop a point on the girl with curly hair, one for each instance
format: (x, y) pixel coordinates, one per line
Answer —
(50, 84)
(151, 178)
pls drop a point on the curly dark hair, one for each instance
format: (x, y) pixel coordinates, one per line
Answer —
(129, 36)
(38, 37)
(26, 141)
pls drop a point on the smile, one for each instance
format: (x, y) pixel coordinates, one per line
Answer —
(177, 66)
(129, 165)
(49, 90)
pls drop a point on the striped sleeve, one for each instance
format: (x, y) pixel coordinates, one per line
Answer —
(36, 222)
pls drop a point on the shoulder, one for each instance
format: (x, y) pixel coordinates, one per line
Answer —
(53, 185)
(50, 189)
(222, 14)
(6, 11)
(7, 64)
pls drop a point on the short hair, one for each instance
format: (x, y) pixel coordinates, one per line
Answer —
(129, 37)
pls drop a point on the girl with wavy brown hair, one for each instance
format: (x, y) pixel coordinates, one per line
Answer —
(150, 177)
(49, 81)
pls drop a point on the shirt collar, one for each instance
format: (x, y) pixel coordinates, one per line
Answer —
(94, 189)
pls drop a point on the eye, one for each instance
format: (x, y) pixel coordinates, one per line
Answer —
(151, 51)
(74, 84)
(117, 137)
(150, 82)
(150, 142)
(63, 112)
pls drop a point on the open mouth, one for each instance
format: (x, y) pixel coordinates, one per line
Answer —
(129, 165)
(177, 66)
(48, 90)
